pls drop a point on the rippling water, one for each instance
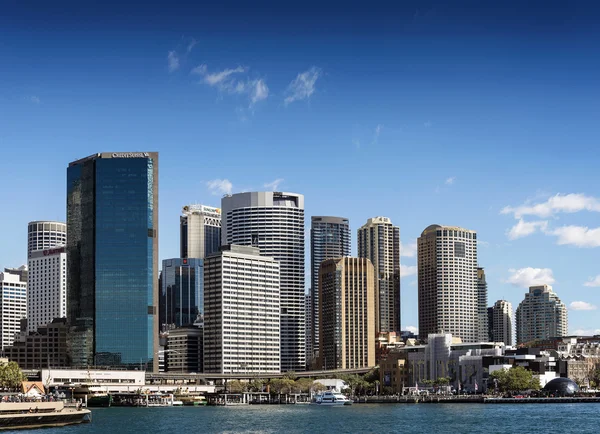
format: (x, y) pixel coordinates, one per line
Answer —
(363, 418)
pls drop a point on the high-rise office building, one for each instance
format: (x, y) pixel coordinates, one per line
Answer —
(541, 315)
(448, 296)
(181, 300)
(490, 322)
(46, 287)
(329, 238)
(502, 330)
(44, 235)
(482, 301)
(200, 230)
(112, 259)
(379, 241)
(347, 310)
(274, 222)
(241, 320)
(13, 305)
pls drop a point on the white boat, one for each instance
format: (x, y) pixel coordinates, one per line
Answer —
(331, 398)
(29, 415)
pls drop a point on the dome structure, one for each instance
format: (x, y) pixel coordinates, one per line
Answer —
(561, 387)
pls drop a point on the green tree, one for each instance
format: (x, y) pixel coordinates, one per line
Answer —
(236, 386)
(11, 376)
(304, 384)
(442, 381)
(318, 387)
(256, 385)
(515, 379)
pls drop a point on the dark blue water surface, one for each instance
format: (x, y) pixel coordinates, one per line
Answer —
(363, 418)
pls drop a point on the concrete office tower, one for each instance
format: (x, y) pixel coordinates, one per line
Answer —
(448, 296)
(241, 316)
(379, 241)
(46, 287)
(13, 305)
(503, 322)
(347, 310)
(200, 229)
(329, 238)
(482, 301)
(490, 322)
(274, 222)
(541, 315)
(112, 259)
(308, 313)
(181, 300)
(43, 235)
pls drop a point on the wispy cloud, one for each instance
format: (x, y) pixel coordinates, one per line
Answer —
(582, 305)
(191, 45)
(274, 185)
(407, 270)
(408, 250)
(228, 81)
(450, 181)
(219, 187)
(412, 329)
(427, 124)
(303, 86)
(173, 61)
(34, 99)
(560, 203)
(593, 282)
(376, 134)
(523, 228)
(526, 277)
(585, 332)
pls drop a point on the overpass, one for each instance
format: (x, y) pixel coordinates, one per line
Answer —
(163, 377)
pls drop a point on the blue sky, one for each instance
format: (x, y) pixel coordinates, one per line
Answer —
(425, 113)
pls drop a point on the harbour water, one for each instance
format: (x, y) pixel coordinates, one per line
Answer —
(364, 418)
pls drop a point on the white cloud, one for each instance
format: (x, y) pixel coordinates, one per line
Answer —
(526, 277)
(412, 329)
(567, 203)
(303, 86)
(259, 91)
(35, 99)
(220, 186)
(585, 332)
(593, 282)
(427, 124)
(407, 270)
(581, 305)
(274, 185)
(221, 78)
(483, 243)
(450, 181)
(173, 60)
(408, 250)
(191, 45)
(523, 228)
(579, 236)
(376, 134)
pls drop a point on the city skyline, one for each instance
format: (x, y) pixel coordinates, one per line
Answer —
(502, 117)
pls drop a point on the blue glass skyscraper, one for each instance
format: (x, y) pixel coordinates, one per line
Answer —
(112, 254)
(181, 299)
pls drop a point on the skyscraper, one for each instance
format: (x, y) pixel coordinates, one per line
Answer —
(112, 257)
(200, 230)
(13, 305)
(274, 222)
(181, 300)
(241, 322)
(502, 322)
(43, 235)
(46, 287)
(482, 306)
(379, 241)
(329, 238)
(541, 315)
(448, 296)
(347, 308)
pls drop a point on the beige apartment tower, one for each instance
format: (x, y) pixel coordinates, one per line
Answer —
(541, 315)
(502, 320)
(379, 241)
(347, 314)
(448, 284)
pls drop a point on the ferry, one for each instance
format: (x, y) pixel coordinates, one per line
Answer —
(29, 415)
(94, 395)
(331, 398)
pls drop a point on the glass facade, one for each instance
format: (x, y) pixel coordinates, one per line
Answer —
(181, 299)
(111, 212)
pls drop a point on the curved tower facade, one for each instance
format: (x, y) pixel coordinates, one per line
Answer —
(274, 222)
(43, 235)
